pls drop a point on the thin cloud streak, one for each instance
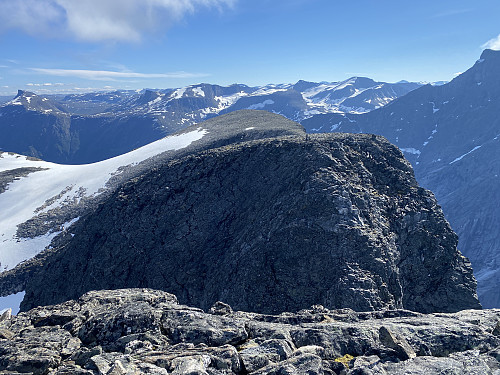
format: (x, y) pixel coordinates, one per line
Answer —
(101, 75)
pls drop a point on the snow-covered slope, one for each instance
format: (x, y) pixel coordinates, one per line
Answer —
(35, 188)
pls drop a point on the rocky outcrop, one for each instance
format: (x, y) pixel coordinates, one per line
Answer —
(268, 226)
(145, 331)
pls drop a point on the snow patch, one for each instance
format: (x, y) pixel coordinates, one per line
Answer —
(411, 150)
(198, 91)
(179, 93)
(335, 126)
(15, 101)
(434, 109)
(261, 105)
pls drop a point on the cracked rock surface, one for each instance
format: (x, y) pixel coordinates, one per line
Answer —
(145, 331)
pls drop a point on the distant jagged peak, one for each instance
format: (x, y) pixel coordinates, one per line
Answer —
(303, 85)
(33, 102)
(24, 93)
(362, 82)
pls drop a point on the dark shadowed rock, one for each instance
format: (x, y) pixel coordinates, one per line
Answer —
(268, 226)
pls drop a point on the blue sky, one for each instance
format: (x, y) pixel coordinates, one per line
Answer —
(75, 46)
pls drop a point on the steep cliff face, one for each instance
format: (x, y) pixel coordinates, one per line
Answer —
(451, 135)
(268, 226)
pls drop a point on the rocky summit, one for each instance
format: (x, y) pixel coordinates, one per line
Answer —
(267, 226)
(144, 331)
(451, 135)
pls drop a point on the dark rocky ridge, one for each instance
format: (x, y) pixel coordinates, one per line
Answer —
(270, 225)
(146, 331)
(451, 135)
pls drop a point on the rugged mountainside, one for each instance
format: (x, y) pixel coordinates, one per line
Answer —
(146, 331)
(39, 200)
(451, 135)
(86, 128)
(268, 225)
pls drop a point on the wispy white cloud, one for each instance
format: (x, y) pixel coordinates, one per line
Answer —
(492, 44)
(105, 75)
(43, 84)
(98, 20)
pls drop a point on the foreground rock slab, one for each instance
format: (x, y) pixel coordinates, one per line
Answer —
(145, 331)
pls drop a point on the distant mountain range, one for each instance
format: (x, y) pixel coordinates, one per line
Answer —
(451, 135)
(85, 128)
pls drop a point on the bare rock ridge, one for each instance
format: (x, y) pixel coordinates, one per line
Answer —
(144, 331)
(269, 225)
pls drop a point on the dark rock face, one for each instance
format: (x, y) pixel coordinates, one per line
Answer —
(450, 134)
(145, 331)
(268, 226)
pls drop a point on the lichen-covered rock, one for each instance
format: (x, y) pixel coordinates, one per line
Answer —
(314, 341)
(269, 226)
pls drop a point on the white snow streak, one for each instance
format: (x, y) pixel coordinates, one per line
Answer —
(198, 91)
(467, 153)
(261, 105)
